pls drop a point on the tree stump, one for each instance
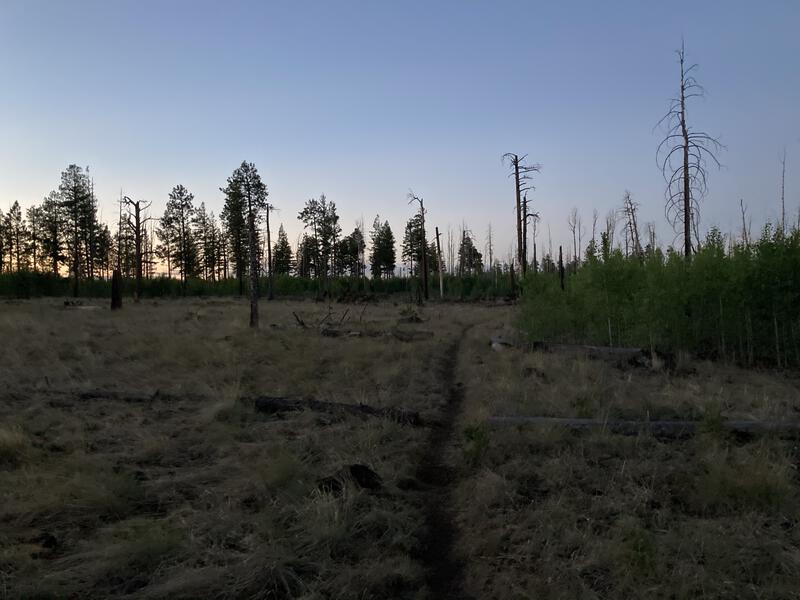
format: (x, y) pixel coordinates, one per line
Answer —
(116, 290)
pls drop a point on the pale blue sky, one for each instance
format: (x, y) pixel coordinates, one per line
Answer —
(362, 100)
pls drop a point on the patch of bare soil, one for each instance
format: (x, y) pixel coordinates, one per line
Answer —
(444, 571)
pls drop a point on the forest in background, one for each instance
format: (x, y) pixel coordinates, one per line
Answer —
(731, 296)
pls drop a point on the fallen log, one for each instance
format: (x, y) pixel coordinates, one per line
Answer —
(657, 428)
(411, 335)
(278, 405)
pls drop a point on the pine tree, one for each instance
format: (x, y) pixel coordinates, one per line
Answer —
(75, 196)
(246, 191)
(382, 259)
(178, 218)
(3, 244)
(17, 237)
(34, 242)
(470, 260)
(282, 253)
(51, 231)
(413, 243)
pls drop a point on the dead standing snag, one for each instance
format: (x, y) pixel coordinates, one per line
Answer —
(687, 177)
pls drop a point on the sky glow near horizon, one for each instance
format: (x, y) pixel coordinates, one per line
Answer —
(363, 100)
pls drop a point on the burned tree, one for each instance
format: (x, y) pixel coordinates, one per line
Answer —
(136, 224)
(683, 156)
(414, 198)
(523, 176)
(629, 208)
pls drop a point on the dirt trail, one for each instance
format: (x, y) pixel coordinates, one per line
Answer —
(444, 571)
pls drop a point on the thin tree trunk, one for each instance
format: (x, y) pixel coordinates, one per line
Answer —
(687, 201)
(251, 225)
(270, 284)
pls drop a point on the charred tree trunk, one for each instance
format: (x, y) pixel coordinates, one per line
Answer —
(439, 256)
(270, 284)
(116, 290)
(251, 226)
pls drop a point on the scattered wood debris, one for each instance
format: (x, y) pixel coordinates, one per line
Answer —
(674, 429)
(279, 404)
(361, 475)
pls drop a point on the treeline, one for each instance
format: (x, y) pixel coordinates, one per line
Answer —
(736, 300)
(481, 286)
(64, 236)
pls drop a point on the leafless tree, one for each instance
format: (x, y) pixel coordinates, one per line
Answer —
(523, 177)
(611, 227)
(535, 218)
(137, 222)
(412, 197)
(270, 282)
(745, 232)
(783, 191)
(629, 208)
(572, 223)
(683, 156)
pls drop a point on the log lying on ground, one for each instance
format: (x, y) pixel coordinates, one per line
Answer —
(657, 428)
(277, 405)
(411, 335)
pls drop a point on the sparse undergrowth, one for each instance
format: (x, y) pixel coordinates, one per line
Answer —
(549, 513)
(193, 493)
(170, 486)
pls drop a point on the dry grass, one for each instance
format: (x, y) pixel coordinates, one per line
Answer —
(548, 513)
(193, 494)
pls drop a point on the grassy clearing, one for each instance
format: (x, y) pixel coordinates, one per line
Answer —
(548, 513)
(193, 493)
(185, 491)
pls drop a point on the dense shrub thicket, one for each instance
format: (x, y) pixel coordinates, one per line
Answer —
(739, 303)
(30, 284)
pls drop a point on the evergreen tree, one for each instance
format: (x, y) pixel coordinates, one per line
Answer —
(413, 243)
(3, 245)
(321, 218)
(75, 196)
(470, 260)
(206, 238)
(282, 253)
(382, 259)
(34, 247)
(51, 231)
(247, 192)
(16, 234)
(178, 218)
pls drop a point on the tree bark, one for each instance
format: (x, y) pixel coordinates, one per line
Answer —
(116, 290)
(687, 199)
(251, 225)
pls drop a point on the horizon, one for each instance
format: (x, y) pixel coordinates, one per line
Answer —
(366, 102)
